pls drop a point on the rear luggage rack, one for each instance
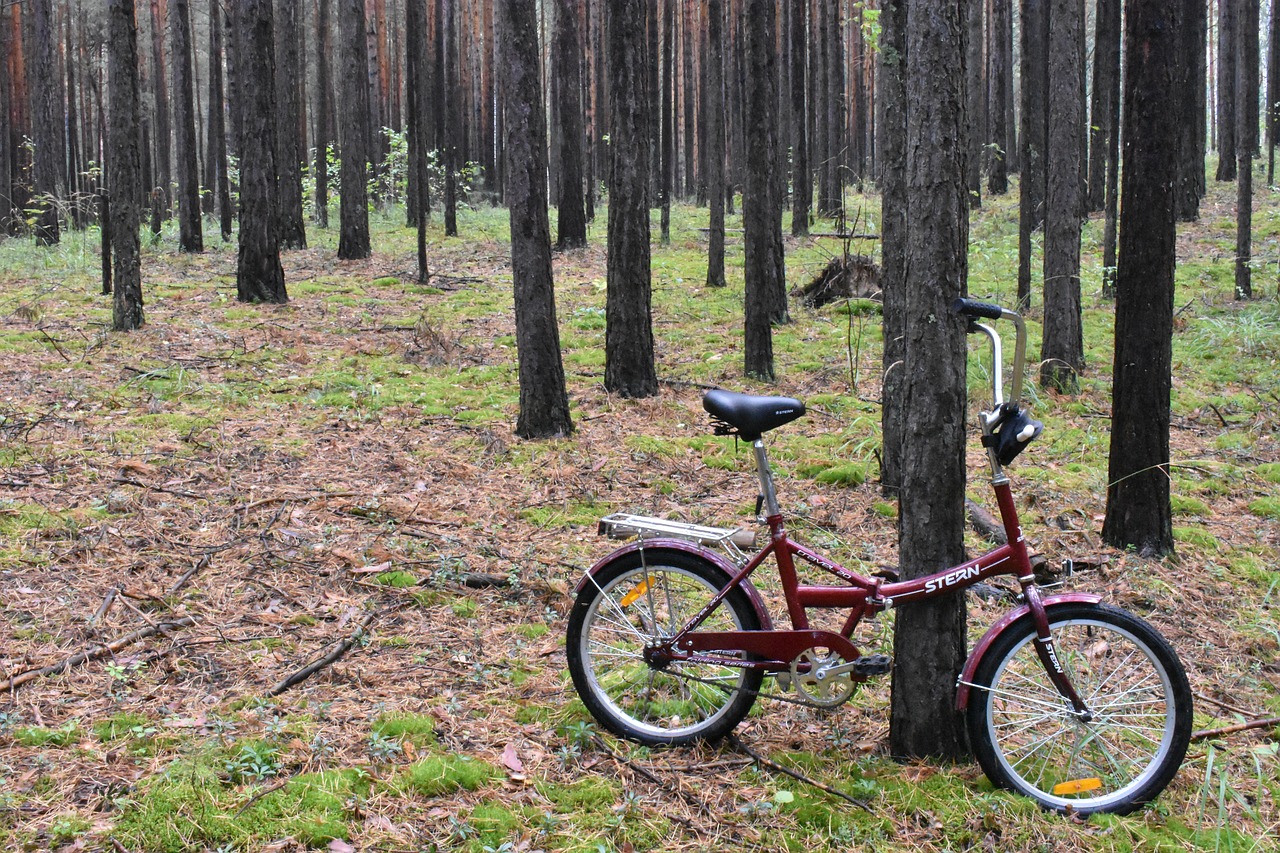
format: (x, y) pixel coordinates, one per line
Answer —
(624, 526)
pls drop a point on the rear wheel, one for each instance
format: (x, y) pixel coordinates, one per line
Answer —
(1028, 738)
(641, 598)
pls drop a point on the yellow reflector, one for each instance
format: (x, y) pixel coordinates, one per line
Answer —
(630, 598)
(1077, 786)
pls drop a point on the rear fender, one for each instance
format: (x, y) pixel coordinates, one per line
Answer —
(653, 550)
(1008, 621)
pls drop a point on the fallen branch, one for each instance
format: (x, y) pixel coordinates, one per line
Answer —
(190, 573)
(799, 777)
(1205, 734)
(258, 796)
(105, 606)
(340, 648)
(95, 653)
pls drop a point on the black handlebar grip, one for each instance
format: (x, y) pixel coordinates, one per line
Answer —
(974, 308)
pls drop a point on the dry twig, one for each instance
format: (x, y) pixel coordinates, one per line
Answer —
(799, 777)
(340, 648)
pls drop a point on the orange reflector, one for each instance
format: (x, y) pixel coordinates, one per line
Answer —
(1077, 786)
(630, 598)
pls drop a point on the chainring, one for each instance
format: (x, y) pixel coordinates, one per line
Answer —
(814, 682)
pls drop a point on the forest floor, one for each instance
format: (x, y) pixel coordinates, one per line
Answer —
(236, 491)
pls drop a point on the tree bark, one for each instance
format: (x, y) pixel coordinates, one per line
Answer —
(190, 233)
(571, 221)
(7, 206)
(1062, 347)
(544, 403)
(925, 721)
(1106, 97)
(216, 178)
(801, 175)
(1273, 91)
(124, 164)
(629, 368)
(259, 276)
(1246, 139)
(418, 92)
(163, 136)
(892, 130)
(453, 116)
(1227, 56)
(667, 147)
(324, 111)
(1035, 35)
(47, 119)
(999, 78)
(761, 211)
(1138, 512)
(289, 155)
(976, 96)
(1191, 138)
(353, 237)
(713, 110)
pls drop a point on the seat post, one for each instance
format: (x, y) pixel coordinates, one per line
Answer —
(766, 479)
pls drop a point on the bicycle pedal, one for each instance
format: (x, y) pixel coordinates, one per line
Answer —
(868, 665)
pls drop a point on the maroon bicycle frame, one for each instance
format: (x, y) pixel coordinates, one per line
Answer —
(775, 649)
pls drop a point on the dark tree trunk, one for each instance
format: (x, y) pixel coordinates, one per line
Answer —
(666, 175)
(216, 149)
(925, 721)
(629, 367)
(1001, 59)
(1191, 137)
(353, 237)
(453, 117)
(1138, 511)
(801, 177)
(160, 88)
(1227, 55)
(976, 113)
(688, 34)
(1106, 97)
(324, 111)
(7, 206)
(47, 121)
(190, 234)
(761, 211)
(652, 54)
(1035, 37)
(571, 220)
(418, 93)
(71, 132)
(1246, 14)
(1062, 347)
(124, 164)
(892, 127)
(289, 155)
(713, 111)
(259, 276)
(544, 403)
(104, 219)
(1273, 92)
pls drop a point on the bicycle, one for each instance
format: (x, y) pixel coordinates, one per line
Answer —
(1077, 704)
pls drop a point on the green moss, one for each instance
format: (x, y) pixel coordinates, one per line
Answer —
(396, 579)
(1183, 505)
(120, 725)
(591, 794)
(386, 281)
(1195, 536)
(854, 474)
(464, 608)
(495, 823)
(1269, 471)
(1265, 507)
(533, 630)
(884, 509)
(37, 736)
(438, 775)
(419, 729)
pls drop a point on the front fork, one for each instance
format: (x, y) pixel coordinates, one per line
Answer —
(1049, 655)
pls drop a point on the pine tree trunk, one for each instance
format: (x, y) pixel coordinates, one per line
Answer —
(353, 238)
(1106, 97)
(924, 720)
(217, 147)
(571, 223)
(1273, 92)
(544, 403)
(74, 167)
(289, 155)
(1138, 512)
(1191, 138)
(1000, 59)
(190, 234)
(1035, 25)
(801, 178)
(453, 117)
(124, 164)
(1062, 347)
(259, 276)
(7, 206)
(713, 109)
(976, 124)
(629, 367)
(1246, 17)
(419, 108)
(891, 101)
(47, 121)
(667, 147)
(324, 111)
(163, 136)
(1227, 57)
(761, 213)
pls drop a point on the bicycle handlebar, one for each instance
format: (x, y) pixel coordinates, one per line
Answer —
(974, 309)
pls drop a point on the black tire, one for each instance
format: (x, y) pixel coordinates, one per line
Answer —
(1027, 738)
(618, 612)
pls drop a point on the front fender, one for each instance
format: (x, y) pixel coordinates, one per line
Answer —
(656, 546)
(1009, 619)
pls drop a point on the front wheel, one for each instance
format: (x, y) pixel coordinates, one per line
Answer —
(1028, 738)
(637, 600)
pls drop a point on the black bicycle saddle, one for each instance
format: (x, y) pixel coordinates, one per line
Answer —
(747, 415)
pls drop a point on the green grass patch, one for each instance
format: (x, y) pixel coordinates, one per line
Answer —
(1265, 507)
(418, 729)
(38, 736)
(438, 775)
